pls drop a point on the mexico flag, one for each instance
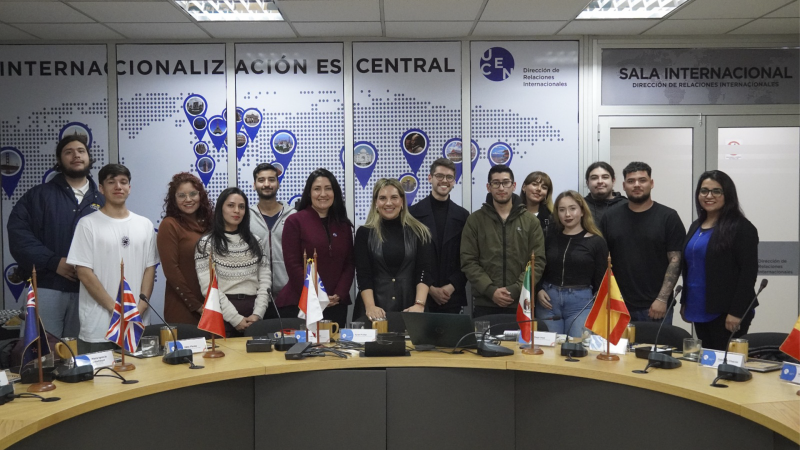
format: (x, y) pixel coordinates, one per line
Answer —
(524, 307)
(791, 346)
(211, 320)
(609, 316)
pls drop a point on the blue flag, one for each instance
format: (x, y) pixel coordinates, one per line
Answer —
(31, 335)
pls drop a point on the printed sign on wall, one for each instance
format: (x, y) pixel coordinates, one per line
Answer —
(700, 76)
(290, 99)
(47, 92)
(407, 113)
(171, 119)
(524, 112)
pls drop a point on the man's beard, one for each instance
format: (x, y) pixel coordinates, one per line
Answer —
(502, 202)
(271, 196)
(639, 200)
(69, 173)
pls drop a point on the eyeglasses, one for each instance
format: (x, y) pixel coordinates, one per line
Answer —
(505, 183)
(184, 196)
(441, 176)
(716, 192)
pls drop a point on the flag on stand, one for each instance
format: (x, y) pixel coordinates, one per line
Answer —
(312, 301)
(126, 325)
(791, 346)
(608, 294)
(524, 307)
(211, 320)
(31, 334)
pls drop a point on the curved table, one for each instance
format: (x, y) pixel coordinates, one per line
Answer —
(260, 400)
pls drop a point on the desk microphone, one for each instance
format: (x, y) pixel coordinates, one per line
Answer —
(730, 372)
(570, 349)
(661, 359)
(177, 356)
(74, 374)
(283, 343)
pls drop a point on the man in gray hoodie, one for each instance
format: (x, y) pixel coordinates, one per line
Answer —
(266, 222)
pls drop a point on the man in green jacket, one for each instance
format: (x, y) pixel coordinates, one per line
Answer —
(496, 246)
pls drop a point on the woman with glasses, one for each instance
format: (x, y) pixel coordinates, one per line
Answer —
(187, 216)
(320, 224)
(241, 268)
(537, 196)
(393, 254)
(720, 263)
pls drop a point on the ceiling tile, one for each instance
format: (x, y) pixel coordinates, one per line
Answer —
(528, 10)
(607, 27)
(695, 26)
(770, 26)
(159, 30)
(40, 12)
(424, 30)
(70, 31)
(790, 10)
(429, 10)
(9, 33)
(486, 28)
(331, 10)
(248, 30)
(727, 9)
(338, 29)
(132, 11)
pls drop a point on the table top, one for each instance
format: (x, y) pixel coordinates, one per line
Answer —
(765, 399)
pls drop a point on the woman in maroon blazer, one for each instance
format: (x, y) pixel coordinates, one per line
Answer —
(320, 224)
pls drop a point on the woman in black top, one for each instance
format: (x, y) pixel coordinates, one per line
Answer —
(537, 196)
(576, 262)
(393, 254)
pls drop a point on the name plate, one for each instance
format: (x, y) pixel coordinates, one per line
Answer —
(540, 338)
(598, 343)
(324, 336)
(98, 360)
(360, 335)
(196, 345)
(791, 373)
(713, 358)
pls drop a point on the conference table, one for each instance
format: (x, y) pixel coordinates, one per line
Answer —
(425, 400)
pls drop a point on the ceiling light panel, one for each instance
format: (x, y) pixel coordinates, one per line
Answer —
(629, 9)
(231, 10)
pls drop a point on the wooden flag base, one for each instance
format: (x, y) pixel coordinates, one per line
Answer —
(607, 357)
(535, 350)
(124, 367)
(213, 354)
(41, 387)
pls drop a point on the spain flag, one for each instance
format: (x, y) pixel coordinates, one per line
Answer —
(791, 346)
(608, 300)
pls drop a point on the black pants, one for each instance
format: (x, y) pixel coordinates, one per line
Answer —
(478, 311)
(244, 305)
(714, 334)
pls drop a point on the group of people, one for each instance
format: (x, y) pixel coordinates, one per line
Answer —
(404, 258)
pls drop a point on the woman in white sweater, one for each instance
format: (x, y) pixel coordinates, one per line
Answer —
(243, 274)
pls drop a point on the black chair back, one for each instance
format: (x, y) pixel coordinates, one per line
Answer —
(268, 327)
(767, 346)
(670, 334)
(508, 321)
(184, 330)
(395, 319)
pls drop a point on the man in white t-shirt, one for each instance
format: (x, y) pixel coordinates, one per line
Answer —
(100, 243)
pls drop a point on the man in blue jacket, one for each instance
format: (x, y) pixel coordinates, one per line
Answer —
(40, 230)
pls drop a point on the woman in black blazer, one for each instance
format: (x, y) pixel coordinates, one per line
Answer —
(720, 263)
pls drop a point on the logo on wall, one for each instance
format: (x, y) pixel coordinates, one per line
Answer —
(15, 285)
(11, 165)
(500, 153)
(217, 128)
(77, 129)
(205, 168)
(415, 146)
(280, 169)
(365, 155)
(497, 64)
(410, 185)
(195, 107)
(453, 151)
(284, 144)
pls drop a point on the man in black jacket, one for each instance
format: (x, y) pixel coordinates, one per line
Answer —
(600, 181)
(445, 220)
(40, 230)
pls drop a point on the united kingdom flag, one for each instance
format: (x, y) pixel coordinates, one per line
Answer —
(125, 328)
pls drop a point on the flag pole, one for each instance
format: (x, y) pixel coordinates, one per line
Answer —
(122, 366)
(213, 353)
(41, 386)
(607, 356)
(314, 279)
(533, 349)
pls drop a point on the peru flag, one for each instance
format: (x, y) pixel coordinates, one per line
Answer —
(211, 320)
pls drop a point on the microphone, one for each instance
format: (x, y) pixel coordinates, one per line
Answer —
(487, 349)
(661, 359)
(570, 349)
(74, 374)
(730, 372)
(283, 343)
(177, 356)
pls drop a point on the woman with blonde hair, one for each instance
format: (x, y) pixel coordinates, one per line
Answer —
(576, 262)
(537, 196)
(393, 254)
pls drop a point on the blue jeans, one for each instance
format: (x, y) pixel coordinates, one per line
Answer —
(642, 315)
(567, 304)
(59, 312)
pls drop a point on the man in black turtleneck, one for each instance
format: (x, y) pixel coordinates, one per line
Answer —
(445, 219)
